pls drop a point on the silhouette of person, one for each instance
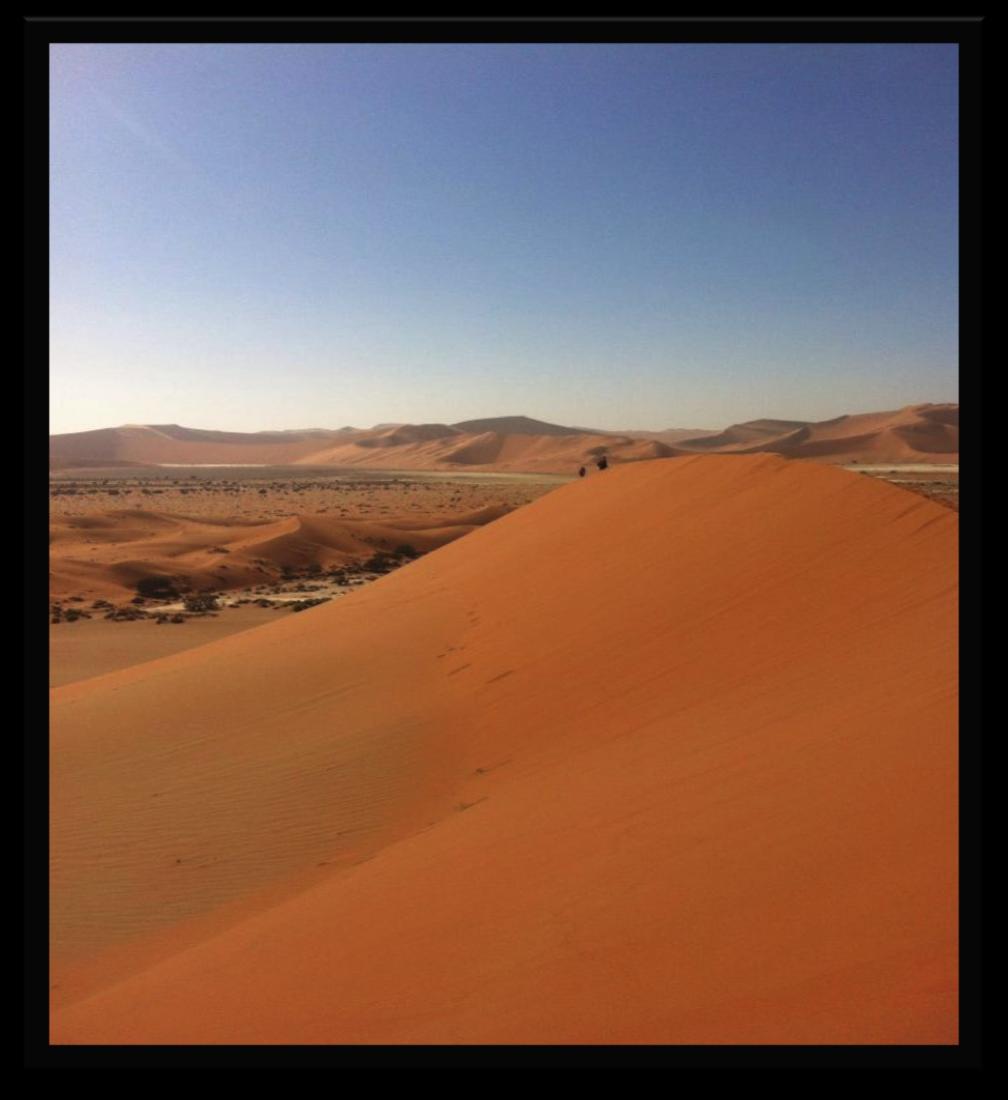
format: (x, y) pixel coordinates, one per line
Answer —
(602, 463)
(581, 472)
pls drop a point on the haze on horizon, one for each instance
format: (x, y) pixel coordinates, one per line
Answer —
(256, 237)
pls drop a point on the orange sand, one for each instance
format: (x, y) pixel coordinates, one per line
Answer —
(921, 433)
(667, 756)
(105, 554)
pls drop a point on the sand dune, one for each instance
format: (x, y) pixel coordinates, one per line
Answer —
(667, 756)
(917, 433)
(106, 555)
(138, 444)
(516, 425)
(752, 434)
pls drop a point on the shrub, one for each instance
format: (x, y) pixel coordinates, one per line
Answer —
(302, 605)
(158, 588)
(379, 563)
(206, 601)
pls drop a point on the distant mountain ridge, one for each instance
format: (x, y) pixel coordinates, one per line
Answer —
(916, 433)
(516, 425)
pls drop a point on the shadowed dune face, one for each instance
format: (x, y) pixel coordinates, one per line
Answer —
(667, 756)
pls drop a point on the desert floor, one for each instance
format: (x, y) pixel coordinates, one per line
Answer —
(90, 642)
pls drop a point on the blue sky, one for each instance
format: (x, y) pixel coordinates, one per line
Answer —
(252, 237)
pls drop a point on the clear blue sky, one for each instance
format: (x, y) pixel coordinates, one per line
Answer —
(252, 237)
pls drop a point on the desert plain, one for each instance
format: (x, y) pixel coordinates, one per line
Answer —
(456, 753)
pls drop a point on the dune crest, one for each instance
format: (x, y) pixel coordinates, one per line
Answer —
(666, 756)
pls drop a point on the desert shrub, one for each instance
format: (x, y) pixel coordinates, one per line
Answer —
(157, 588)
(406, 551)
(126, 614)
(379, 563)
(302, 605)
(204, 601)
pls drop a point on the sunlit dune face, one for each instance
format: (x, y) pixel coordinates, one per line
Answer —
(666, 756)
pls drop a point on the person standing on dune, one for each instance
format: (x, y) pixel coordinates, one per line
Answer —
(581, 472)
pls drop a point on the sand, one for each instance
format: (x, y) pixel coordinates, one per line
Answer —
(228, 530)
(667, 756)
(915, 433)
(92, 647)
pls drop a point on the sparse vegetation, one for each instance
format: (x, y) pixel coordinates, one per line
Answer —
(158, 588)
(126, 614)
(200, 603)
(303, 605)
(380, 562)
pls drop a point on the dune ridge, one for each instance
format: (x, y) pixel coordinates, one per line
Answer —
(666, 756)
(916, 433)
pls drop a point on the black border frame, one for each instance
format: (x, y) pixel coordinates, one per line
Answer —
(39, 31)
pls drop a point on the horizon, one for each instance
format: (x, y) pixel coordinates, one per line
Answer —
(506, 416)
(367, 234)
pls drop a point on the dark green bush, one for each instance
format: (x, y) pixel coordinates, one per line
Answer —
(157, 588)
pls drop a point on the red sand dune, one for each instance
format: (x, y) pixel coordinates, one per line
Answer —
(667, 756)
(105, 555)
(918, 433)
(139, 444)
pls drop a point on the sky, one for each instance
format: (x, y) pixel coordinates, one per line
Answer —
(255, 237)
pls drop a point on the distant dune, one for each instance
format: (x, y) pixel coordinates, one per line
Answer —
(106, 555)
(666, 756)
(153, 444)
(515, 425)
(918, 433)
(667, 435)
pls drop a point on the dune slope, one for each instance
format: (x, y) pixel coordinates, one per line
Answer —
(916, 433)
(105, 555)
(667, 756)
